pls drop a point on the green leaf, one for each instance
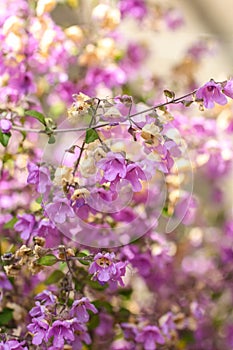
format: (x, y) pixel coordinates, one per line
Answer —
(83, 255)
(187, 103)
(187, 336)
(11, 223)
(6, 316)
(37, 115)
(52, 139)
(102, 304)
(123, 314)
(95, 285)
(91, 135)
(94, 322)
(55, 277)
(47, 260)
(4, 138)
(169, 94)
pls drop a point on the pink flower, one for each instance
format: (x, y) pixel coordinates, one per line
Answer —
(79, 309)
(4, 282)
(13, 345)
(39, 328)
(5, 125)
(61, 331)
(228, 88)
(174, 19)
(46, 298)
(134, 8)
(25, 225)
(134, 174)
(113, 165)
(149, 336)
(59, 210)
(210, 93)
(40, 177)
(105, 268)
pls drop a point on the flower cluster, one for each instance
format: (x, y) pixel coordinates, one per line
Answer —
(47, 327)
(86, 258)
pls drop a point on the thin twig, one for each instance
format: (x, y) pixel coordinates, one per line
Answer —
(57, 131)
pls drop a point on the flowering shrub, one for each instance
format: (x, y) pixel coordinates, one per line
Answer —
(114, 232)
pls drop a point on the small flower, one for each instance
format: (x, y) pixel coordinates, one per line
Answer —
(25, 225)
(5, 125)
(46, 298)
(61, 331)
(4, 282)
(113, 166)
(59, 210)
(105, 269)
(79, 309)
(40, 177)
(149, 336)
(13, 345)
(210, 93)
(134, 8)
(38, 311)
(39, 329)
(80, 332)
(228, 88)
(134, 175)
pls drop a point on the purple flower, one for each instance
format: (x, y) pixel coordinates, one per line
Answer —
(149, 336)
(59, 210)
(186, 209)
(5, 125)
(105, 269)
(4, 282)
(48, 230)
(174, 19)
(130, 330)
(38, 311)
(46, 298)
(105, 326)
(122, 345)
(167, 324)
(25, 225)
(210, 93)
(228, 88)
(40, 177)
(13, 345)
(134, 173)
(103, 266)
(39, 329)
(81, 334)
(61, 331)
(113, 166)
(134, 8)
(79, 309)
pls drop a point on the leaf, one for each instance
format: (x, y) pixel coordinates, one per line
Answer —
(169, 94)
(94, 322)
(91, 136)
(6, 316)
(52, 139)
(47, 260)
(81, 255)
(11, 223)
(4, 138)
(55, 277)
(123, 315)
(95, 285)
(102, 304)
(187, 103)
(37, 115)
